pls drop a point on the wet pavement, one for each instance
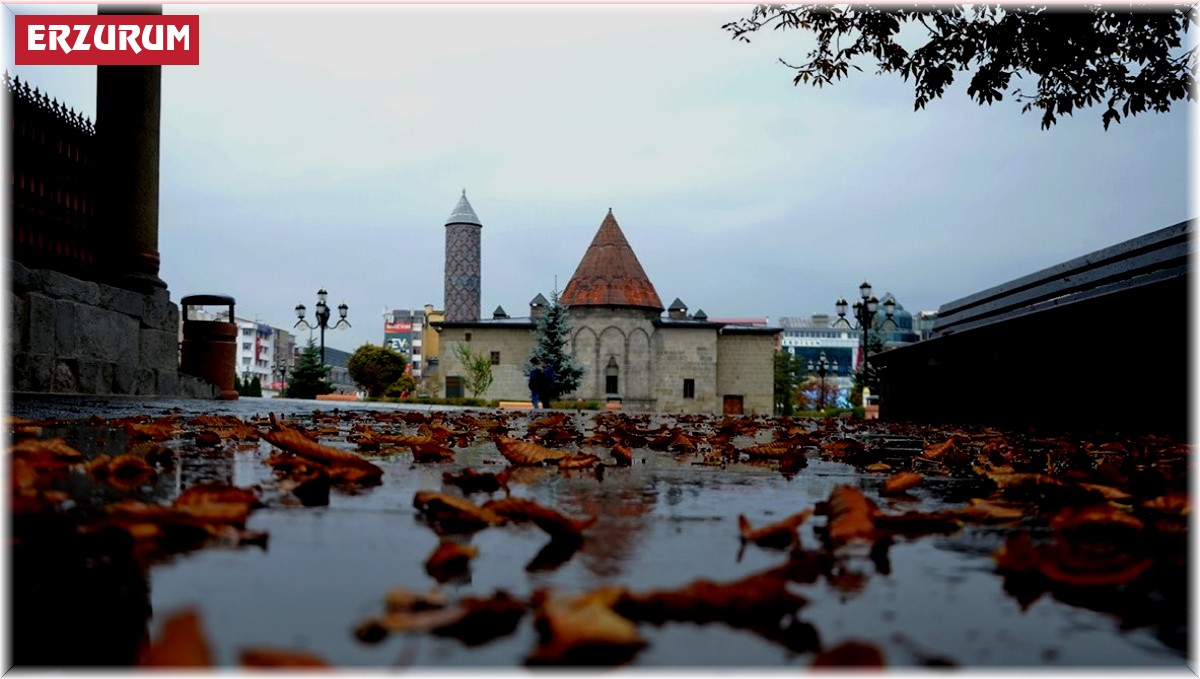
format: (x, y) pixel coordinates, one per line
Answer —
(925, 599)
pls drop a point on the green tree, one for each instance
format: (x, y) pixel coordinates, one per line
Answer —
(255, 387)
(478, 368)
(552, 336)
(405, 385)
(309, 376)
(1128, 59)
(376, 368)
(788, 371)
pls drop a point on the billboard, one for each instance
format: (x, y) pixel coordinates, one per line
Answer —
(398, 336)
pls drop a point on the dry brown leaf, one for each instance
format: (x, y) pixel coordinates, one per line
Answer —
(471, 481)
(449, 560)
(46, 453)
(851, 515)
(898, 483)
(936, 451)
(756, 600)
(984, 511)
(623, 455)
(583, 629)
(524, 453)
(454, 511)
(578, 461)
(181, 643)
(850, 654)
(839, 448)
(275, 657)
(217, 503)
(399, 599)
(1104, 516)
(779, 535)
(555, 524)
(772, 451)
(298, 444)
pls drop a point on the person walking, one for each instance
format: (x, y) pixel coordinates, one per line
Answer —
(549, 386)
(537, 381)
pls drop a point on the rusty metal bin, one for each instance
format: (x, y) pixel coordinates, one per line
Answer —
(210, 347)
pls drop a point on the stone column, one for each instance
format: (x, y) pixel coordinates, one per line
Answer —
(128, 107)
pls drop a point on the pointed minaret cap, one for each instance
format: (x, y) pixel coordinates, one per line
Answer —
(463, 214)
(610, 274)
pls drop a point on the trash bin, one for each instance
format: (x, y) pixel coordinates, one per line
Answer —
(210, 347)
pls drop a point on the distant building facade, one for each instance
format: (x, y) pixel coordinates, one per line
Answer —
(404, 332)
(630, 353)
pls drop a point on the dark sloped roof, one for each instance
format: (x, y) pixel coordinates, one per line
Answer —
(610, 274)
(463, 213)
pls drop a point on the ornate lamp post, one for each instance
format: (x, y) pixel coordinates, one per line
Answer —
(322, 314)
(864, 314)
(822, 368)
(281, 370)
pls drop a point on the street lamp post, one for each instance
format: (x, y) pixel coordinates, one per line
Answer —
(322, 314)
(281, 371)
(864, 314)
(822, 368)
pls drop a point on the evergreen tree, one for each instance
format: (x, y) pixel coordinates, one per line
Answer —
(552, 337)
(309, 376)
(255, 388)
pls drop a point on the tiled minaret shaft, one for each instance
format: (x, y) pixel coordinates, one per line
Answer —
(462, 287)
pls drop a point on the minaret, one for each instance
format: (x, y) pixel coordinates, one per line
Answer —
(462, 263)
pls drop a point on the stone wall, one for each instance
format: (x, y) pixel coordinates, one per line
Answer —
(746, 367)
(71, 336)
(509, 382)
(681, 354)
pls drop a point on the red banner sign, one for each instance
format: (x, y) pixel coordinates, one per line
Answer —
(105, 40)
(400, 327)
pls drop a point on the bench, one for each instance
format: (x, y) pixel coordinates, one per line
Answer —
(515, 405)
(337, 397)
(1097, 341)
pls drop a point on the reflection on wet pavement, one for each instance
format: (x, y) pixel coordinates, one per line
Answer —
(919, 583)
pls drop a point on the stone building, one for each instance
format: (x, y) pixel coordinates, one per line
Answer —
(631, 354)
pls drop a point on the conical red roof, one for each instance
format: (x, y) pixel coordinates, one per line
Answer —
(610, 274)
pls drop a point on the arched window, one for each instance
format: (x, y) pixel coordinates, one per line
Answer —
(611, 376)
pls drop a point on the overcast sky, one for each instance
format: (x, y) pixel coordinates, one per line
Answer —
(326, 146)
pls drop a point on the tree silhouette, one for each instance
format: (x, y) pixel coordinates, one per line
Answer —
(1130, 60)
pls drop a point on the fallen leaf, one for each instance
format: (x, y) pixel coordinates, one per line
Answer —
(898, 483)
(181, 643)
(453, 512)
(274, 657)
(449, 561)
(778, 535)
(555, 524)
(582, 630)
(850, 515)
(850, 654)
(623, 455)
(471, 481)
(524, 453)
